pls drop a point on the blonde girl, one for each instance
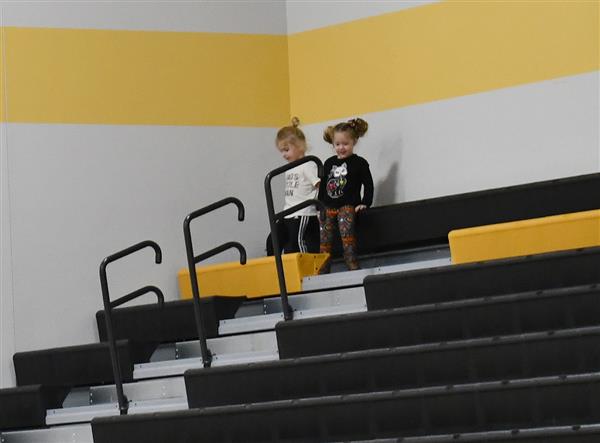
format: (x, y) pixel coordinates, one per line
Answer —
(301, 183)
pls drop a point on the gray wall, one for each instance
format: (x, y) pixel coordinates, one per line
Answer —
(100, 189)
(509, 136)
(80, 192)
(307, 15)
(248, 16)
(7, 343)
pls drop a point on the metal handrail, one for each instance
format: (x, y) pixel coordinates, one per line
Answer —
(109, 306)
(195, 259)
(274, 217)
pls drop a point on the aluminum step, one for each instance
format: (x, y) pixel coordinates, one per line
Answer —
(85, 414)
(396, 257)
(353, 278)
(175, 359)
(314, 300)
(83, 404)
(61, 434)
(268, 321)
(318, 304)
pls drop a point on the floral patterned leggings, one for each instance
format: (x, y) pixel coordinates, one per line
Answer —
(345, 218)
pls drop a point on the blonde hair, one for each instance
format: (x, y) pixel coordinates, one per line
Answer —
(356, 127)
(293, 134)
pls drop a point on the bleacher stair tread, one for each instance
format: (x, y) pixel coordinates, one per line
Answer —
(81, 365)
(462, 319)
(175, 321)
(25, 406)
(534, 354)
(542, 271)
(459, 408)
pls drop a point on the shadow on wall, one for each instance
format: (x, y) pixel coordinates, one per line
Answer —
(387, 190)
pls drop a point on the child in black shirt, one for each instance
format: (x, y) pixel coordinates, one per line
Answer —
(340, 190)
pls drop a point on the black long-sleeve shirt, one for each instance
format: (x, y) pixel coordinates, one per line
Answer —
(342, 182)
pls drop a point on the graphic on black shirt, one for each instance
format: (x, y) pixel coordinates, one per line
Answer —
(337, 181)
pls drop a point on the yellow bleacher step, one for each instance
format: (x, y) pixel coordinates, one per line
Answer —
(257, 278)
(525, 237)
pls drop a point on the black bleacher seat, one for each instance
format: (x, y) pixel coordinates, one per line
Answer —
(530, 355)
(82, 365)
(551, 401)
(173, 322)
(143, 327)
(25, 407)
(552, 270)
(548, 434)
(455, 320)
(428, 222)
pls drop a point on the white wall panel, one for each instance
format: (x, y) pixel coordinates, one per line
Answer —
(83, 192)
(248, 16)
(304, 15)
(7, 343)
(516, 135)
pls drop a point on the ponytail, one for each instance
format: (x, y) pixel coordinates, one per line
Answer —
(291, 132)
(359, 126)
(328, 134)
(356, 127)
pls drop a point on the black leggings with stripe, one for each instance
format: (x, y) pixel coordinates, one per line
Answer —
(302, 234)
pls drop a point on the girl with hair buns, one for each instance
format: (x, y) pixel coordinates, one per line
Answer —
(344, 175)
(301, 183)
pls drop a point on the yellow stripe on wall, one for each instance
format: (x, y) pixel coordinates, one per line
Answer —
(438, 51)
(138, 77)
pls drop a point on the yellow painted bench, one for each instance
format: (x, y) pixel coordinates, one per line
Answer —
(526, 237)
(257, 278)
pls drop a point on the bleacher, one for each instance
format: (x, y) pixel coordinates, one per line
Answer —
(411, 348)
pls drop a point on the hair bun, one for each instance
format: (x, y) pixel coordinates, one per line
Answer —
(328, 134)
(295, 122)
(359, 125)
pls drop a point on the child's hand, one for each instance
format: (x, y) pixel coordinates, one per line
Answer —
(360, 208)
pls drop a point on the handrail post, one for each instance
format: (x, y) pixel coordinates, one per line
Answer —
(285, 305)
(108, 307)
(193, 260)
(112, 346)
(204, 352)
(273, 217)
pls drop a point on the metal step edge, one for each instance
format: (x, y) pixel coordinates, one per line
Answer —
(268, 321)
(157, 389)
(398, 256)
(340, 279)
(164, 405)
(316, 300)
(80, 414)
(83, 414)
(249, 324)
(80, 433)
(244, 357)
(178, 367)
(147, 390)
(231, 344)
(334, 310)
